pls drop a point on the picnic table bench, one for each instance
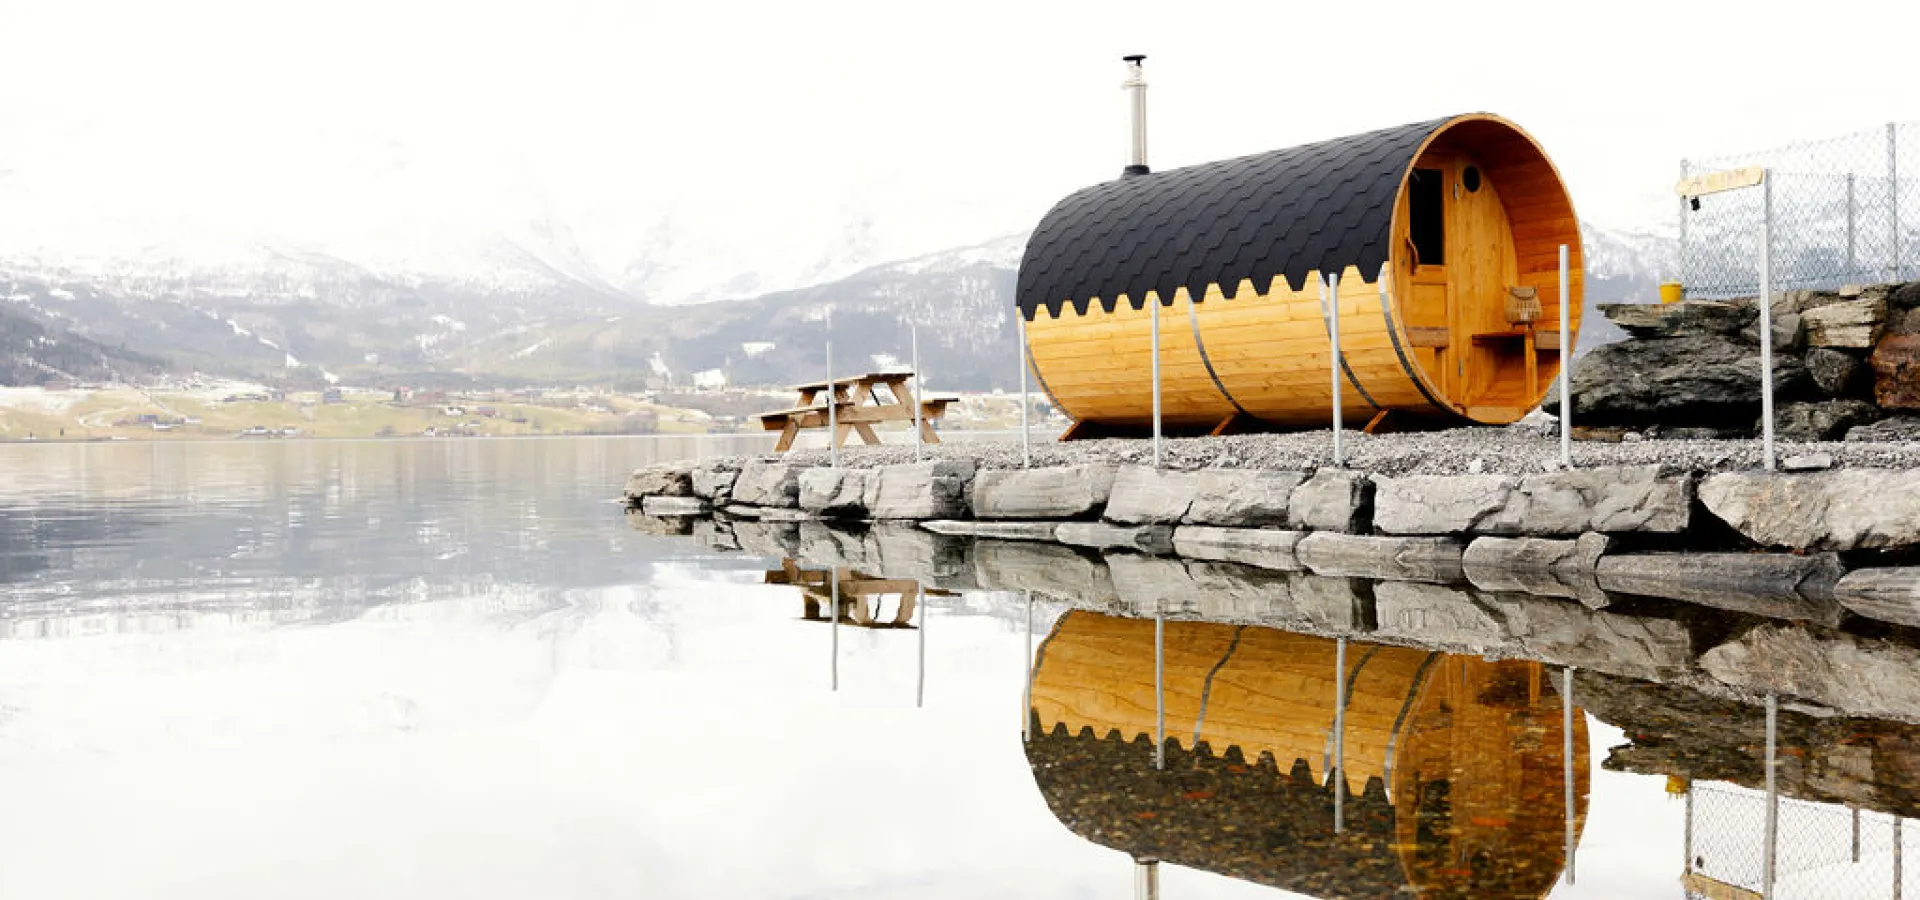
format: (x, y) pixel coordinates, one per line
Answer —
(858, 403)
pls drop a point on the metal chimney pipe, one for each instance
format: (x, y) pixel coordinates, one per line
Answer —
(1136, 88)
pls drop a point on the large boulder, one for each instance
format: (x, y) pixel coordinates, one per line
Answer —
(1332, 500)
(1896, 372)
(1697, 381)
(1856, 675)
(1891, 429)
(1854, 324)
(1789, 333)
(662, 480)
(1828, 420)
(1841, 510)
(1243, 498)
(714, 485)
(834, 492)
(926, 490)
(763, 483)
(1143, 495)
(1437, 504)
(1836, 373)
(1061, 492)
(1658, 320)
(1611, 499)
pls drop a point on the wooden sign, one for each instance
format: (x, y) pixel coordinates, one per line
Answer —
(1723, 180)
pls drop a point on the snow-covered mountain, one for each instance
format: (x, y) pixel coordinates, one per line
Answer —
(551, 317)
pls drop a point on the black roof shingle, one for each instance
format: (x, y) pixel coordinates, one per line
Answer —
(1317, 207)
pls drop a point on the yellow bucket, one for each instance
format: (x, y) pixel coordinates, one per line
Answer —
(1671, 292)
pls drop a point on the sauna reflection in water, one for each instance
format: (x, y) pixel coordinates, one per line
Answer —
(1410, 773)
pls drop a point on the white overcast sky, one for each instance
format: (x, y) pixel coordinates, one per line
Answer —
(945, 124)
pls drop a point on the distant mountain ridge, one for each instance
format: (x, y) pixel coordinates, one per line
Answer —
(308, 319)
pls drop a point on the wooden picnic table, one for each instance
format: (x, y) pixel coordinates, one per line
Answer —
(858, 403)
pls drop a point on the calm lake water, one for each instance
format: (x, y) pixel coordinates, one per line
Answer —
(453, 670)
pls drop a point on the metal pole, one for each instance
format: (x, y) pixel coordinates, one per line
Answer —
(1893, 198)
(1689, 838)
(1773, 799)
(833, 403)
(833, 574)
(1146, 879)
(1330, 301)
(1766, 319)
(920, 687)
(1026, 439)
(919, 394)
(1566, 755)
(1153, 317)
(1681, 276)
(1339, 736)
(1159, 690)
(1566, 362)
(1856, 832)
(1026, 698)
(1852, 226)
(1899, 868)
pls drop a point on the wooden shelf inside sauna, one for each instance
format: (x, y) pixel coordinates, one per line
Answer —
(1517, 375)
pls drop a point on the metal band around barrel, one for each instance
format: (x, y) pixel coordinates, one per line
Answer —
(1344, 367)
(1193, 318)
(1413, 375)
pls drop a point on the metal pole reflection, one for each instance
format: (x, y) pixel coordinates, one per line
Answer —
(1566, 753)
(1146, 878)
(1026, 698)
(1159, 693)
(1339, 736)
(1773, 793)
(833, 576)
(920, 688)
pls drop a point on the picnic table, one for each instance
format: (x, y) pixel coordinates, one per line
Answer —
(858, 403)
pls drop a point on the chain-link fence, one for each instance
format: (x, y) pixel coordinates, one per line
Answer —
(1845, 210)
(1821, 851)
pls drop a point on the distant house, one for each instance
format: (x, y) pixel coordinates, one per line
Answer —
(487, 411)
(332, 395)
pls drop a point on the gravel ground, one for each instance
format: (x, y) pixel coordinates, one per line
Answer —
(1510, 450)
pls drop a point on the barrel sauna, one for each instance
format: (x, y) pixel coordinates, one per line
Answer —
(1445, 236)
(1453, 765)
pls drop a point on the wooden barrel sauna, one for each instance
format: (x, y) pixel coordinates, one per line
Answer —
(1445, 236)
(1453, 765)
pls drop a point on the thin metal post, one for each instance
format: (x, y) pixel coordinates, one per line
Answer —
(1566, 755)
(1853, 265)
(1856, 832)
(1026, 697)
(920, 687)
(833, 403)
(1773, 799)
(1026, 438)
(833, 575)
(1330, 302)
(920, 393)
(1146, 879)
(1899, 861)
(1893, 199)
(1681, 276)
(1766, 319)
(1339, 736)
(1566, 360)
(1153, 316)
(1159, 690)
(1689, 837)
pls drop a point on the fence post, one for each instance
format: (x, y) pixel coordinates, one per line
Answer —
(920, 393)
(1681, 276)
(1566, 363)
(1766, 319)
(1330, 304)
(1893, 200)
(1153, 315)
(1853, 266)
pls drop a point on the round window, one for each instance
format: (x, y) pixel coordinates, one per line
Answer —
(1471, 179)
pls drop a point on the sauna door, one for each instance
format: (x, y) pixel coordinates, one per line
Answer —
(1461, 256)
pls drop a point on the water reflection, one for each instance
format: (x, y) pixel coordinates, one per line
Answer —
(1455, 765)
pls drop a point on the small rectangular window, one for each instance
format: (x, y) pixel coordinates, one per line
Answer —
(1426, 194)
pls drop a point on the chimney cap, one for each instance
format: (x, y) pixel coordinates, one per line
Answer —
(1135, 58)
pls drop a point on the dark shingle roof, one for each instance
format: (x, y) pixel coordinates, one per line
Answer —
(1316, 207)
